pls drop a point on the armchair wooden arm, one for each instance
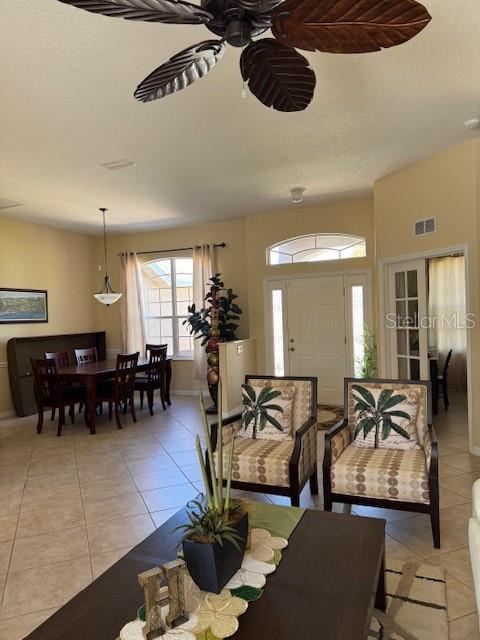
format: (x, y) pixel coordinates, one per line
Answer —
(303, 463)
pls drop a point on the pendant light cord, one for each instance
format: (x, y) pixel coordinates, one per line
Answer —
(105, 241)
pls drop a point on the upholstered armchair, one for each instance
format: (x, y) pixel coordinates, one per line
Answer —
(384, 477)
(267, 466)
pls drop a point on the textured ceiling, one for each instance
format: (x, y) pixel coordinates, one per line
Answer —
(66, 84)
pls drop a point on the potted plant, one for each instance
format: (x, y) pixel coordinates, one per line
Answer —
(215, 537)
(368, 363)
(213, 324)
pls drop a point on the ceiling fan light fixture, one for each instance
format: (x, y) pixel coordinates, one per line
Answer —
(106, 295)
(296, 194)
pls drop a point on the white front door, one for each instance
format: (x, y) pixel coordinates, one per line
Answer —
(316, 342)
(406, 307)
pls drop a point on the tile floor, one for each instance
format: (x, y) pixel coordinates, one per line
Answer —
(71, 506)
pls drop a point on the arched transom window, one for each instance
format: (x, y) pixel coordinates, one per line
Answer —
(316, 248)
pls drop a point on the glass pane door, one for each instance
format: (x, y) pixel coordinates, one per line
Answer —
(408, 305)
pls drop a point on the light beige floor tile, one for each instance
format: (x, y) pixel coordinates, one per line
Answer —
(20, 626)
(464, 628)
(457, 564)
(466, 462)
(3, 579)
(159, 462)
(44, 587)
(193, 472)
(457, 516)
(95, 460)
(159, 499)
(450, 499)
(117, 534)
(185, 458)
(159, 517)
(394, 550)
(460, 599)
(462, 485)
(43, 497)
(59, 471)
(137, 451)
(446, 471)
(103, 561)
(108, 488)
(15, 455)
(53, 455)
(48, 548)
(10, 502)
(102, 471)
(445, 450)
(390, 515)
(5, 554)
(8, 527)
(416, 535)
(179, 446)
(115, 507)
(65, 516)
(159, 479)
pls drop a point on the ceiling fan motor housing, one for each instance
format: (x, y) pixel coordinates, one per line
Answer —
(234, 23)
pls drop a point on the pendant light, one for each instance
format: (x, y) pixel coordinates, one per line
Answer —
(106, 295)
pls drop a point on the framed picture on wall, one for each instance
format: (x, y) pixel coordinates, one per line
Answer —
(23, 305)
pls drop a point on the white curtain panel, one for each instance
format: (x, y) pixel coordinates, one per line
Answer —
(204, 267)
(447, 311)
(134, 333)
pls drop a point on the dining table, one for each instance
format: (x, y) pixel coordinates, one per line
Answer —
(90, 373)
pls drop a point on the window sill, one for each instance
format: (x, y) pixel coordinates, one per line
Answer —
(181, 358)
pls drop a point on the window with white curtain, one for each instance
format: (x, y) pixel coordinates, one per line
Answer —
(168, 285)
(448, 315)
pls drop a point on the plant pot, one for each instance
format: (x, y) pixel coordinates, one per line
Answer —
(211, 565)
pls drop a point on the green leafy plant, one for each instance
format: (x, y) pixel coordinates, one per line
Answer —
(378, 414)
(255, 409)
(368, 363)
(228, 314)
(212, 514)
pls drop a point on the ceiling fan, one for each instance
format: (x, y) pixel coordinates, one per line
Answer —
(276, 73)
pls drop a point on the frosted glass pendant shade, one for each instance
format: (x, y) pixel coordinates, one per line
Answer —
(107, 298)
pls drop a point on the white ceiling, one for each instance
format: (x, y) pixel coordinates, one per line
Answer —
(66, 106)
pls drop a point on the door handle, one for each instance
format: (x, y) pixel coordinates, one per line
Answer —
(292, 348)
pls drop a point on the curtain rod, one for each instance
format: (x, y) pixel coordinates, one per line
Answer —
(141, 253)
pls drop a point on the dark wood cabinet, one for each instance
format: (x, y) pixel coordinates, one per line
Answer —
(21, 350)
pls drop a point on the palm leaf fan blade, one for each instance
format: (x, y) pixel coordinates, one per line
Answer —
(166, 11)
(180, 71)
(277, 75)
(348, 26)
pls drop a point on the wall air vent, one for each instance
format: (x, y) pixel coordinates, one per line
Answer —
(424, 227)
(6, 204)
(116, 165)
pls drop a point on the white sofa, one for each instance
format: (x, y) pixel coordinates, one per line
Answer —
(474, 541)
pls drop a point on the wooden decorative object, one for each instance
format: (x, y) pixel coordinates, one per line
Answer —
(156, 597)
(175, 572)
(348, 26)
(277, 75)
(169, 11)
(181, 70)
(249, 509)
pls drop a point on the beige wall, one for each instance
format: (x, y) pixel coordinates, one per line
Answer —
(445, 186)
(353, 216)
(38, 257)
(231, 264)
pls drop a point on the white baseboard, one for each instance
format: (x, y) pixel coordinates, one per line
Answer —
(188, 392)
(475, 451)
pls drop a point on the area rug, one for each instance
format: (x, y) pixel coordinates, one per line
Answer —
(417, 604)
(328, 415)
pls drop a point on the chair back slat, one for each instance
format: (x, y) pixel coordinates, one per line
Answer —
(84, 356)
(163, 348)
(125, 373)
(61, 358)
(45, 375)
(156, 364)
(447, 363)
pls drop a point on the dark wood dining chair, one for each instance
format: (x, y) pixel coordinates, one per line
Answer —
(154, 378)
(443, 380)
(159, 347)
(121, 388)
(62, 360)
(51, 394)
(83, 356)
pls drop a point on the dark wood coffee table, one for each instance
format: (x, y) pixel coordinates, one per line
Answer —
(331, 576)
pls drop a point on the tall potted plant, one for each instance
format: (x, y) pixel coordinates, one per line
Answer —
(368, 363)
(216, 535)
(216, 322)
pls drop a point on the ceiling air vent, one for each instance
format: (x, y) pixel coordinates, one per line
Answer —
(116, 165)
(6, 204)
(424, 227)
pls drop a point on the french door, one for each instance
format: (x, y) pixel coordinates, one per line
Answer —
(407, 329)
